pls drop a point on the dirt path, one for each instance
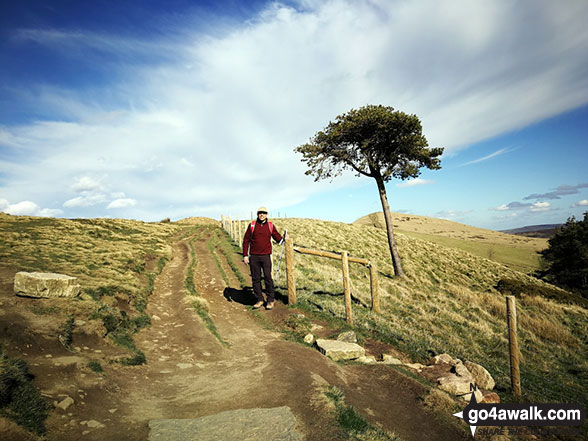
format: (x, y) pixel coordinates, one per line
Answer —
(190, 374)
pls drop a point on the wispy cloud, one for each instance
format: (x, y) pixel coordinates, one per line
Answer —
(487, 157)
(582, 203)
(536, 207)
(210, 126)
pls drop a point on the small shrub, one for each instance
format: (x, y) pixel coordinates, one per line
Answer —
(95, 367)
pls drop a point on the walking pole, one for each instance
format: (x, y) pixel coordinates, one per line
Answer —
(281, 254)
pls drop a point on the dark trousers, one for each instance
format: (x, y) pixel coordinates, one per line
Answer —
(257, 263)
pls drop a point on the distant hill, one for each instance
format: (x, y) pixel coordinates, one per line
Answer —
(516, 251)
(544, 231)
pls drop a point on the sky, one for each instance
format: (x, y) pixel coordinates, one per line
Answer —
(145, 109)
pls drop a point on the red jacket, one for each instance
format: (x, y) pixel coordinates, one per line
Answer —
(260, 242)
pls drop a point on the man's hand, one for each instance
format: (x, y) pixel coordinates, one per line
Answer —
(246, 260)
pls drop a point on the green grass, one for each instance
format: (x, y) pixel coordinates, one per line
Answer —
(95, 366)
(354, 426)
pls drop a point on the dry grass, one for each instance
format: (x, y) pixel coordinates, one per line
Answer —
(516, 252)
(446, 303)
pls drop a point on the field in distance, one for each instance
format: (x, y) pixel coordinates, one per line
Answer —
(516, 252)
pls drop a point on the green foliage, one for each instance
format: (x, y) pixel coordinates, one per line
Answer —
(19, 398)
(374, 141)
(567, 256)
(95, 366)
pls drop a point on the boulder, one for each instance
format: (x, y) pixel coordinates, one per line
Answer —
(442, 358)
(388, 359)
(415, 366)
(45, 285)
(339, 350)
(309, 338)
(370, 359)
(454, 385)
(348, 337)
(481, 376)
(461, 371)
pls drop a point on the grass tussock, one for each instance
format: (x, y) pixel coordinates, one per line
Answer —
(19, 398)
(448, 302)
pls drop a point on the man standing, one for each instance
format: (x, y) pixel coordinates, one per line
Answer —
(257, 253)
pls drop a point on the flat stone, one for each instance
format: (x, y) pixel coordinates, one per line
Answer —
(65, 403)
(45, 285)
(478, 393)
(339, 350)
(275, 424)
(93, 424)
(415, 366)
(309, 338)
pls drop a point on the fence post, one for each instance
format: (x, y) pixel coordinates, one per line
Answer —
(290, 271)
(374, 287)
(513, 345)
(346, 286)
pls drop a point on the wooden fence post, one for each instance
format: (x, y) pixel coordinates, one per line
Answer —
(290, 271)
(513, 345)
(346, 286)
(374, 287)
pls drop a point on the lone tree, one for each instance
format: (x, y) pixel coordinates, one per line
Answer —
(567, 256)
(374, 141)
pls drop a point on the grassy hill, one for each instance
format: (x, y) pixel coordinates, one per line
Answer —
(516, 252)
(448, 302)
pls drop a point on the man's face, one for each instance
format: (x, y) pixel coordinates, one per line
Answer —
(261, 215)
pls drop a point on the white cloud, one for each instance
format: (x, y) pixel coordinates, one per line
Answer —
(87, 200)
(27, 208)
(540, 206)
(582, 203)
(85, 183)
(414, 182)
(122, 203)
(212, 126)
(487, 157)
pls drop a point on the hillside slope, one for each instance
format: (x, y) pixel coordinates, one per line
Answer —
(516, 252)
(448, 302)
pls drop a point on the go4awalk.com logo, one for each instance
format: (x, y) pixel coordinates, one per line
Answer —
(521, 414)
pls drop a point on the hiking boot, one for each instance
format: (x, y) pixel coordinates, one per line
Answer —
(258, 305)
(269, 306)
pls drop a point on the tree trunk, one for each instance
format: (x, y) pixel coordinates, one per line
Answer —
(389, 228)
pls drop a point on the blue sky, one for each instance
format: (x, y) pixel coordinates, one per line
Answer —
(149, 109)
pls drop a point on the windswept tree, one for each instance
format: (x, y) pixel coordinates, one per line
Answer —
(373, 141)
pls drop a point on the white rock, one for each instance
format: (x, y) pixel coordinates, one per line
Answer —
(442, 358)
(415, 366)
(184, 365)
(388, 359)
(339, 350)
(65, 403)
(454, 385)
(370, 359)
(309, 338)
(93, 424)
(45, 285)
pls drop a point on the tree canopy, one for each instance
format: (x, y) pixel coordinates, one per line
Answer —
(567, 256)
(375, 141)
